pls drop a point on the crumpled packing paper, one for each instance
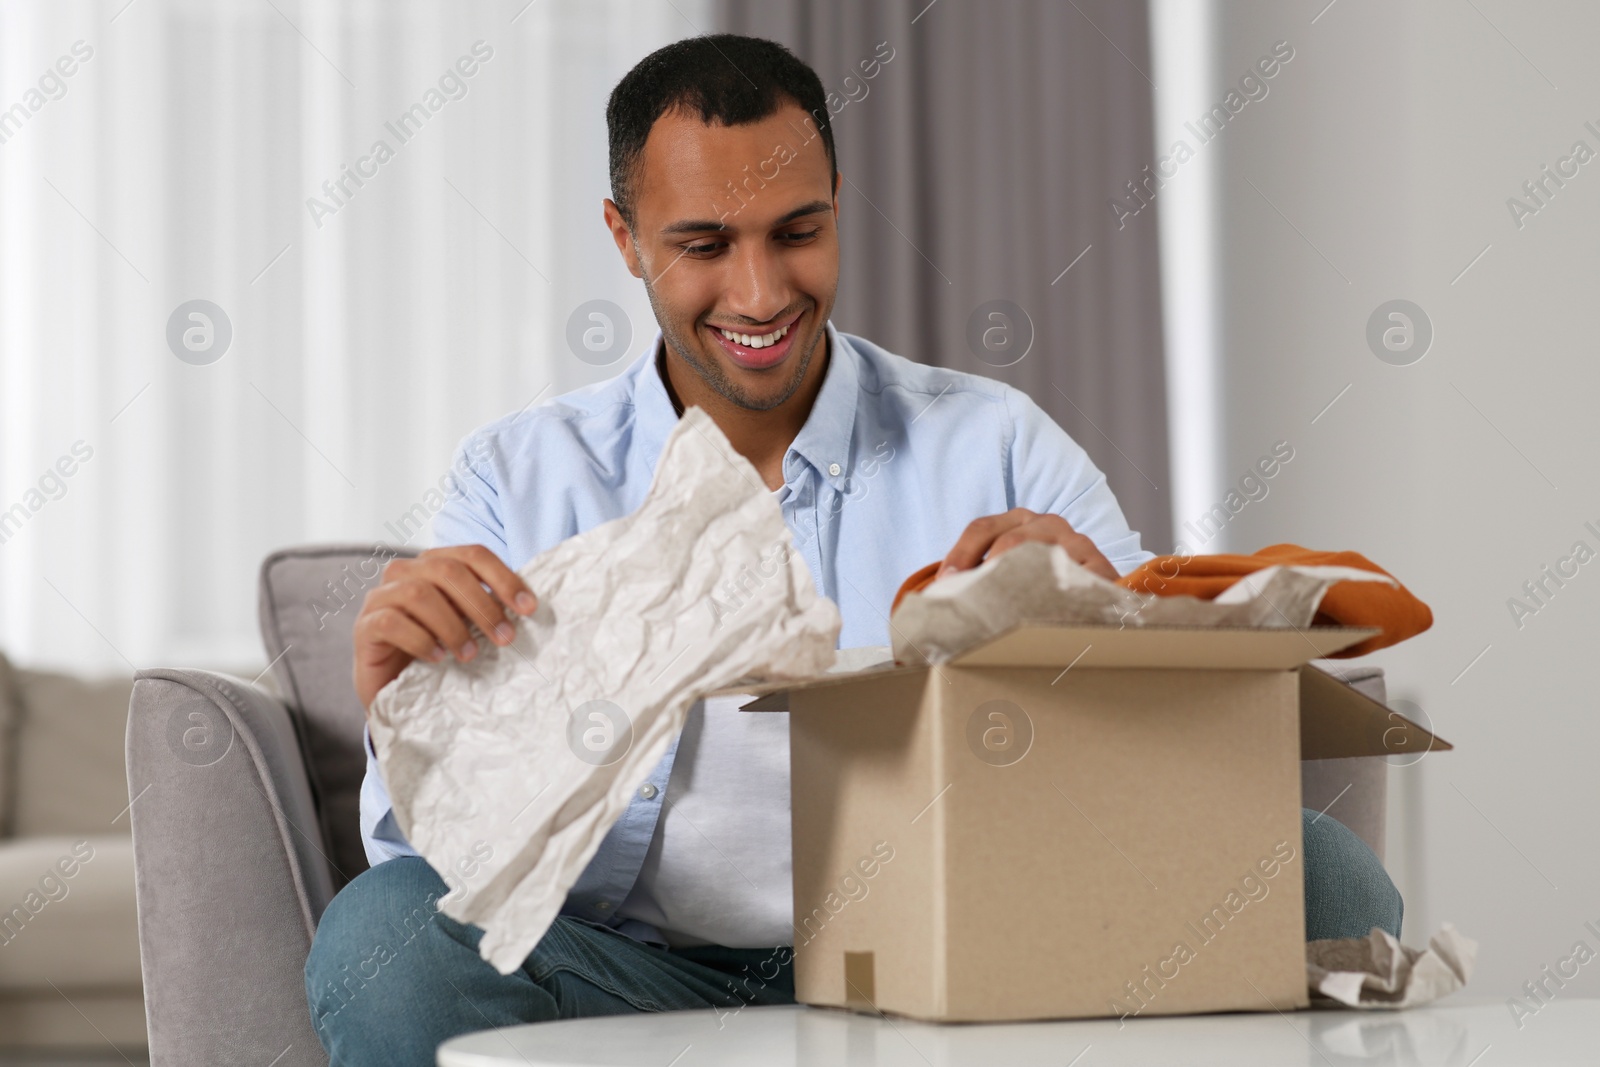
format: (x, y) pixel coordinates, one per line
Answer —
(1377, 972)
(1036, 582)
(700, 588)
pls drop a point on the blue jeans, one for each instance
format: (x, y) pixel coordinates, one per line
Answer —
(390, 978)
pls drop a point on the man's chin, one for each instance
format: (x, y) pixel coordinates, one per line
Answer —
(752, 389)
(756, 396)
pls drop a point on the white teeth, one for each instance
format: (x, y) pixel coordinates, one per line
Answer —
(755, 340)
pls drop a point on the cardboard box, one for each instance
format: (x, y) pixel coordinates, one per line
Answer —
(1066, 821)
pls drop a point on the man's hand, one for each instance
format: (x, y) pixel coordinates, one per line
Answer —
(421, 607)
(993, 534)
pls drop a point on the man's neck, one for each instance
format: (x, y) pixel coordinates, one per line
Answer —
(762, 437)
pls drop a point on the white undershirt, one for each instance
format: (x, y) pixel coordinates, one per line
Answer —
(718, 869)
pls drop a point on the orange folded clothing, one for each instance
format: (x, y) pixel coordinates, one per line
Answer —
(1392, 608)
(920, 579)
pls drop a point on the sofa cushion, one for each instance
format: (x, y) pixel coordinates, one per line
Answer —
(48, 1023)
(71, 773)
(309, 599)
(67, 913)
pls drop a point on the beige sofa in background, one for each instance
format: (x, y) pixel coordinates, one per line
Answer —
(69, 937)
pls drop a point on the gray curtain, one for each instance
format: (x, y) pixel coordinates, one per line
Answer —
(978, 164)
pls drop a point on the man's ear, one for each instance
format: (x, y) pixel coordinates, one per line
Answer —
(620, 234)
(837, 180)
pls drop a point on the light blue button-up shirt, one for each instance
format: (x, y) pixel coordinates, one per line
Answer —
(895, 459)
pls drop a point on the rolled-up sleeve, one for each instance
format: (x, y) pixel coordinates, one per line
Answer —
(380, 834)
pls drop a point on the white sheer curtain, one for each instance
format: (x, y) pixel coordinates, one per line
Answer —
(369, 333)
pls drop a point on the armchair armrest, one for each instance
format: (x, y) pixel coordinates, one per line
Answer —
(1355, 790)
(229, 871)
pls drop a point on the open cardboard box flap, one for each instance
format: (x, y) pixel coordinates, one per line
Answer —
(1336, 721)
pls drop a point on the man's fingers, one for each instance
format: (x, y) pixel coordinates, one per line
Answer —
(505, 583)
(1081, 549)
(979, 536)
(992, 535)
(1011, 539)
(425, 606)
(430, 609)
(443, 590)
(395, 628)
(1050, 529)
(460, 584)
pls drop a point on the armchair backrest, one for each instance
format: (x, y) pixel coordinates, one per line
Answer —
(309, 598)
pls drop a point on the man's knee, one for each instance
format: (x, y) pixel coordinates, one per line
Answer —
(1348, 892)
(381, 954)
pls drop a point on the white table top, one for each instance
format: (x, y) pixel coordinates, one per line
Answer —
(1450, 1034)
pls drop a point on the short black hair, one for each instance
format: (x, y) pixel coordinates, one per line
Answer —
(726, 77)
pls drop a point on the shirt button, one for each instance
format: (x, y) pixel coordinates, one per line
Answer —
(834, 469)
(604, 905)
(647, 791)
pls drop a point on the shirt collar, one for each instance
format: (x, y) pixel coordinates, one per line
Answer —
(653, 407)
(824, 440)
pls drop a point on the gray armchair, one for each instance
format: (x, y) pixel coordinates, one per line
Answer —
(245, 820)
(246, 817)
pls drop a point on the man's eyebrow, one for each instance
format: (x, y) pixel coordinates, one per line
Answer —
(815, 207)
(694, 226)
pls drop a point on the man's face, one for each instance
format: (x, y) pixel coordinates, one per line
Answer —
(735, 231)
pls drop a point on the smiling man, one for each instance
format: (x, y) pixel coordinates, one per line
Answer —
(725, 204)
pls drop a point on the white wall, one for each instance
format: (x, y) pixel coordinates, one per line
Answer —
(1382, 160)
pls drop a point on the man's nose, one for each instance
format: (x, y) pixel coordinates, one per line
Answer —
(758, 289)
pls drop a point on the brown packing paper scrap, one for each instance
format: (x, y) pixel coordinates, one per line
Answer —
(638, 618)
(1378, 973)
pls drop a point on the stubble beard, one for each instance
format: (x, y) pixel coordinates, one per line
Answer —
(712, 374)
